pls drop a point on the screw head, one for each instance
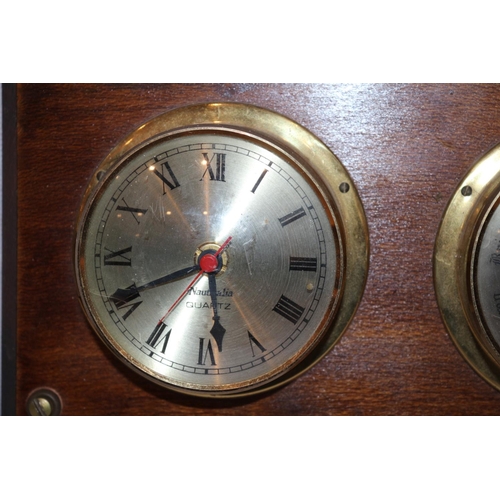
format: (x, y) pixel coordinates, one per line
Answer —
(466, 191)
(344, 187)
(43, 402)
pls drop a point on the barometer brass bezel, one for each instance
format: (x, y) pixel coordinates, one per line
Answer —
(455, 250)
(294, 140)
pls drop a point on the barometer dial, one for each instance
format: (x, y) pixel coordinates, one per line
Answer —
(467, 267)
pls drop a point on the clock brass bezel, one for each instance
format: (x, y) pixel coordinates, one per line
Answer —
(454, 258)
(293, 139)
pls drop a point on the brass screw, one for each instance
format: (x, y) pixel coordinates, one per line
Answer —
(43, 402)
(466, 191)
(344, 187)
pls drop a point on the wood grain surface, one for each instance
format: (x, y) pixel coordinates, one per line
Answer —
(406, 148)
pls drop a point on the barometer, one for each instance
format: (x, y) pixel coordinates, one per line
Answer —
(221, 250)
(467, 267)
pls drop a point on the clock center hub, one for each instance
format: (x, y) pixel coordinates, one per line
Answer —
(208, 261)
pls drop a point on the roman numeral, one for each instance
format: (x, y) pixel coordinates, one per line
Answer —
(496, 298)
(259, 180)
(132, 308)
(166, 170)
(495, 258)
(204, 353)
(220, 168)
(136, 212)
(122, 297)
(288, 309)
(303, 264)
(291, 217)
(254, 342)
(156, 338)
(117, 258)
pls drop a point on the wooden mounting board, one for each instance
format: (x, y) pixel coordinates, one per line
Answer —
(406, 148)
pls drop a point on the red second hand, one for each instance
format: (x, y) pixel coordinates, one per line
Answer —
(196, 278)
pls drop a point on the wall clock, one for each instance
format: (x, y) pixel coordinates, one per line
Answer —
(221, 250)
(467, 267)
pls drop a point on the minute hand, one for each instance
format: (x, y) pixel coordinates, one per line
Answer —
(217, 330)
(124, 295)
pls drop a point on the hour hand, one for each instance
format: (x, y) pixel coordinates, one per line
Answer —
(123, 296)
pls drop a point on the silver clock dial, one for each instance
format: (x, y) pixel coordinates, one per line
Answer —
(274, 286)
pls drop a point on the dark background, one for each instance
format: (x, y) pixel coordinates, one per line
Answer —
(406, 148)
